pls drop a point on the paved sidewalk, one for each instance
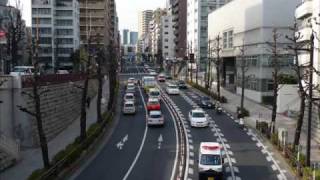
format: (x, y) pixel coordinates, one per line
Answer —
(32, 158)
(263, 113)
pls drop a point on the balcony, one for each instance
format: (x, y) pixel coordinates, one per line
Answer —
(305, 34)
(304, 9)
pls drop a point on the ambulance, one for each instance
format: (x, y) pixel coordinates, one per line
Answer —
(210, 162)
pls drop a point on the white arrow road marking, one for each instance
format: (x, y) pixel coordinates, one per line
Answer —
(160, 140)
(122, 142)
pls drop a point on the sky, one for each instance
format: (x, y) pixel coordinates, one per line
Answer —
(127, 11)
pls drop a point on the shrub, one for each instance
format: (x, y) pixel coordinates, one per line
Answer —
(244, 112)
(59, 156)
(274, 138)
(36, 174)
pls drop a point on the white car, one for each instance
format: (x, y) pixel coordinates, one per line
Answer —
(129, 107)
(210, 164)
(129, 97)
(155, 118)
(154, 93)
(198, 118)
(153, 73)
(172, 89)
(132, 80)
(131, 88)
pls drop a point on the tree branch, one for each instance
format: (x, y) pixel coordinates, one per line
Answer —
(26, 111)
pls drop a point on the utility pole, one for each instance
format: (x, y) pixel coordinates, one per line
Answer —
(310, 99)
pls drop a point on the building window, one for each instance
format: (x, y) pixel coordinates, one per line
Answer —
(64, 13)
(166, 40)
(64, 32)
(225, 40)
(270, 85)
(42, 11)
(41, 20)
(45, 40)
(64, 22)
(166, 47)
(230, 39)
(166, 33)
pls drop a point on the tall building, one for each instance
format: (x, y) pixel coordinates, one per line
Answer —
(59, 34)
(133, 38)
(92, 20)
(252, 26)
(197, 27)
(179, 10)
(3, 2)
(143, 22)
(167, 37)
(125, 37)
(307, 13)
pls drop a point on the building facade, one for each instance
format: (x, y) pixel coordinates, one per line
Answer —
(167, 37)
(197, 28)
(133, 38)
(251, 23)
(179, 13)
(143, 22)
(125, 37)
(57, 24)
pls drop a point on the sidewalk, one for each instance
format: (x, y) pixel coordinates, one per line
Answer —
(263, 113)
(32, 158)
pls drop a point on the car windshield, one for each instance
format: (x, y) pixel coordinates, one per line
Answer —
(198, 115)
(210, 159)
(128, 105)
(173, 87)
(155, 116)
(205, 99)
(153, 102)
(154, 93)
(130, 87)
(129, 97)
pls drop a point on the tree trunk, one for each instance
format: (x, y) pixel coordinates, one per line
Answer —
(297, 134)
(218, 79)
(42, 136)
(99, 96)
(242, 87)
(274, 103)
(83, 118)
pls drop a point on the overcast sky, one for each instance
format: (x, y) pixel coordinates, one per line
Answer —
(127, 11)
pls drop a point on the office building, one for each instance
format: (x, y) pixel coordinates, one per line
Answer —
(133, 38)
(197, 28)
(125, 37)
(167, 37)
(57, 24)
(179, 12)
(251, 22)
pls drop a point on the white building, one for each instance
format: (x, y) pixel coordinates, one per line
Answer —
(144, 17)
(307, 14)
(197, 27)
(57, 22)
(251, 22)
(168, 45)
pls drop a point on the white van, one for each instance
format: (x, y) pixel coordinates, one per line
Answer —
(148, 82)
(154, 93)
(22, 70)
(211, 161)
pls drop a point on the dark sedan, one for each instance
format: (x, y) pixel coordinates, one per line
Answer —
(206, 102)
(182, 85)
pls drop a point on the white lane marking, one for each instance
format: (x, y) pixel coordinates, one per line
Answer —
(121, 143)
(274, 167)
(235, 169)
(142, 143)
(160, 140)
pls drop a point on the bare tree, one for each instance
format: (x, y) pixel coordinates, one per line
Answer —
(208, 75)
(99, 59)
(14, 35)
(217, 61)
(275, 57)
(112, 73)
(244, 68)
(36, 97)
(296, 47)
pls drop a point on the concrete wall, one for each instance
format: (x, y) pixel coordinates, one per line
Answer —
(60, 106)
(288, 98)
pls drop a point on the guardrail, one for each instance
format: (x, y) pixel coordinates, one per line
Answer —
(10, 146)
(181, 172)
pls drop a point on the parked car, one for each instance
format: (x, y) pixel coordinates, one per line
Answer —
(154, 93)
(22, 70)
(132, 80)
(131, 88)
(172, 89)
(206, 102)
(210, 164)
(153, 104)
(198, 118)
(161, 78)
(182, 85)
(129, 97)
(218, 109)
(155, 118)
(129, 107)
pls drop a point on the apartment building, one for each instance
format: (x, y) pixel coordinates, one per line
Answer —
(92, 20)
(143, 22)
(167, 37)
(179, 19)
(197, 27)
(251, 22)
(57, 24)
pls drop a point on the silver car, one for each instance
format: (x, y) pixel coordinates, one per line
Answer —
(155, 118)
(129, 97)
(129, 107)
(131, 88)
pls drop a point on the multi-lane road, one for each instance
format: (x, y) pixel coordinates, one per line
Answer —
(136, 151)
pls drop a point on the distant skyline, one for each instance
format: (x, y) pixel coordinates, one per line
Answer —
(127, 11)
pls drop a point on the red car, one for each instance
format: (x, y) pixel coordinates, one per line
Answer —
(153, 104)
